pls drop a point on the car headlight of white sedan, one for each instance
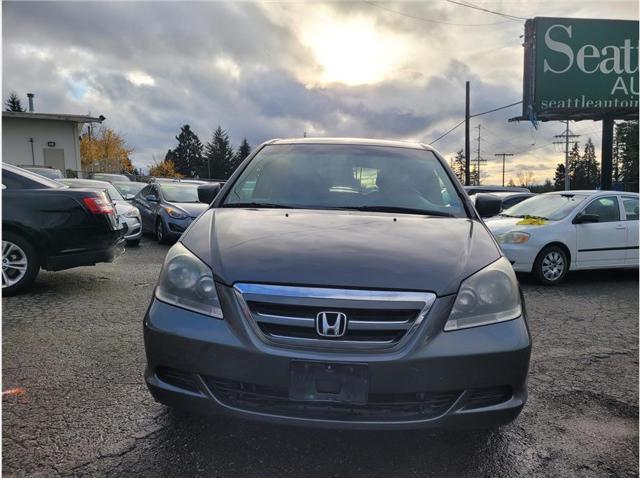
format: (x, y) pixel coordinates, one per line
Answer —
(513, 237)
(132, 212)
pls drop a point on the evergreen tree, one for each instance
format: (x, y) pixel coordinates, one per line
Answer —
(627, 141)
(219, 158)
(577, 170)
(458, 165)
(187, 156)
(243, 151)
(558, 179)
(13, 103)
(590, 165)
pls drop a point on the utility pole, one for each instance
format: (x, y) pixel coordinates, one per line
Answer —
(566, 135)
(467, 141)
(504, 155)
(479, 158)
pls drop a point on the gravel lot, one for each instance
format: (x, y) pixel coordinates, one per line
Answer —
(74, 346)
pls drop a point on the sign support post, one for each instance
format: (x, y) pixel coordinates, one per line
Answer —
(607, 154)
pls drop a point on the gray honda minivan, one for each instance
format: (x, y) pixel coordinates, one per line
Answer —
(342, 283)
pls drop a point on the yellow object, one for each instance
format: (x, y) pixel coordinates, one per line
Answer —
(531, 221)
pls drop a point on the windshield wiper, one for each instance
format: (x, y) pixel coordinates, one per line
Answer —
(398, 209)
(259, 205)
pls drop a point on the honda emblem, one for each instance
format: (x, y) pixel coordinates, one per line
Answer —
(331, 324)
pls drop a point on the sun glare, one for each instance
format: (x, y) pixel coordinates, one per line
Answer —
(352, 51)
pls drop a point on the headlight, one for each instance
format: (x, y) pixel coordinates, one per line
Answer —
(133, 212)
(513, 237)
(187, 282)
(176, 213)
(489, 296)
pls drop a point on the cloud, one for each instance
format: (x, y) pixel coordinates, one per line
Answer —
(267, 70)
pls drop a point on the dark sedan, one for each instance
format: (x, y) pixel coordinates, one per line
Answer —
(167, 209)
(47, 225)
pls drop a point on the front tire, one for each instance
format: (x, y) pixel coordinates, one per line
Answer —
(551, 265)
(20, 264)
(133, 243)
(161, 232)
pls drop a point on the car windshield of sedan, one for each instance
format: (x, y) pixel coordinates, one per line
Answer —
(180, 193)
(552, 207)
(356, 177)
(129, 187)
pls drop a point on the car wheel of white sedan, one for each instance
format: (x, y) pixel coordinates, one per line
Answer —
(551, 265)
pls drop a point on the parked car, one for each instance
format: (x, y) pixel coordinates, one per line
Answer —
(162, 180)
(128, 189)
(297, 300)
(509, 199)
(127, 214)
(553, 233)
(109, 177)
(177, 180)
(45, 171)
(471, 190)
(167, 209)
(47, 225)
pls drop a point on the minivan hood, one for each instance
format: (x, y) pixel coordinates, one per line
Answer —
(191, 208)
(347, 249)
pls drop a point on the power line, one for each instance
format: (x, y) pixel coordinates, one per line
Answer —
(496, 109)
(443, 135)
(486, 10)
(473, 116)
(428, 20)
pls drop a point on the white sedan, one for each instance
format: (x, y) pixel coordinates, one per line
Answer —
(550, 234)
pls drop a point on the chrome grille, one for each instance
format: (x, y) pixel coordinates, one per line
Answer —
(287, 315)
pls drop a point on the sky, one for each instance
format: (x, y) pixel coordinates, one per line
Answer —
(389, 70)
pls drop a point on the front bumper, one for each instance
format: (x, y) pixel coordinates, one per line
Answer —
(521, 256)
(175, 227)
(134, 228)
(218, 366)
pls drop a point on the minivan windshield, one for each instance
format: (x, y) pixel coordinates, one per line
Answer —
(337, 176)
(552, 207)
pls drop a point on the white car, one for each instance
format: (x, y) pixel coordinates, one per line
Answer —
(550, 234)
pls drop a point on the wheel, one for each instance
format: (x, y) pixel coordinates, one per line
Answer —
(133, 242)
(20, 264)
(551, 265)
(161, 232)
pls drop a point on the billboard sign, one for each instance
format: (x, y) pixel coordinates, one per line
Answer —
(580, 69)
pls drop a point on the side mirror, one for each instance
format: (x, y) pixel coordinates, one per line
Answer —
(585, 218)
(151, 198)
(488, 205)
(128, 196)
(208, 192)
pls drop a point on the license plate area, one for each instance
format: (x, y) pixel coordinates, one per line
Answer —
(334, 382)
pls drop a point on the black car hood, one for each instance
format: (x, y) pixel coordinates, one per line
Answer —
(193, 209)
(341, 248)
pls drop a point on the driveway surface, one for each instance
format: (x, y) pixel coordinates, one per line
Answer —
(75, 402)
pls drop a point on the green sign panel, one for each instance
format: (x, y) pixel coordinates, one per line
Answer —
(580, 69)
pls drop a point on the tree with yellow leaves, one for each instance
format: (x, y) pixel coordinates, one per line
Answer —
(105, 150)
(165, 169)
